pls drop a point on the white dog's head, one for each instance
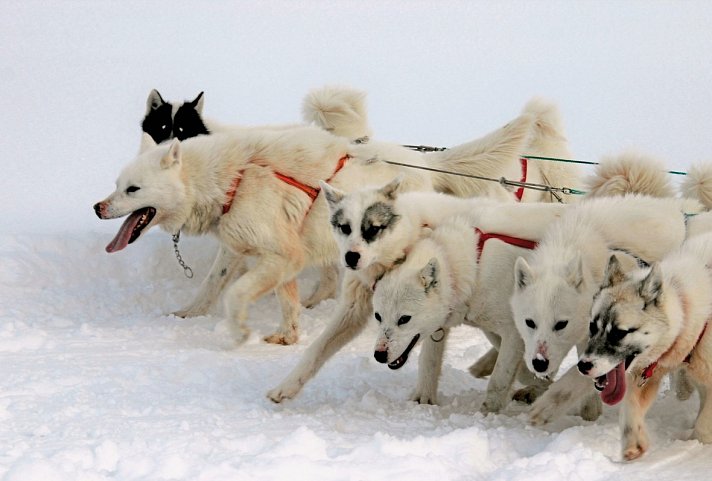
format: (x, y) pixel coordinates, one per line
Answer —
(410, 302)
(150, 191)
(626, 320)
(363, 221)
(550, 309)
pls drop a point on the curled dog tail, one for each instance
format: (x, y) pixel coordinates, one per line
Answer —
(549, 140)
(698, 184)
(630, 173)
(339, 110)
(495, 155)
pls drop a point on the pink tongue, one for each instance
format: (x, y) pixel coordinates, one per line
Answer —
(122, 237)
(615, 385)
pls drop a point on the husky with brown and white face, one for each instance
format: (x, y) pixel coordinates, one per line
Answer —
(647, 323)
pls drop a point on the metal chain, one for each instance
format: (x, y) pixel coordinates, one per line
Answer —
(186, 270)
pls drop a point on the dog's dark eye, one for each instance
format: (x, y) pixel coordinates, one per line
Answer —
(403, 320)
(560, 325)
(131, 189)
(345, 229)
(616, 334)
(371, 232)
(378, 317)
(530, 324)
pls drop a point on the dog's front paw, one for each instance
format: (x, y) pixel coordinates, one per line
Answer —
(542, 412)
(633, 452)
(491, 406)
(591, 409)
(282, 338)
(424, 397)
(284, 391)
(635, 442)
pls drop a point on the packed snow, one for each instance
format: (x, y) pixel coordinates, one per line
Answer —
(98, 381)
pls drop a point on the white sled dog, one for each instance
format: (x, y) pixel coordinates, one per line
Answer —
(257, 191)
(554, 289)
(647, 323)
(376, 229)
(454, 276)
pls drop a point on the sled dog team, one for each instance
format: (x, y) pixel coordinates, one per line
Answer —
(624, 274)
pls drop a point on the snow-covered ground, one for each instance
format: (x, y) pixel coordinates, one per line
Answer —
(98, 382)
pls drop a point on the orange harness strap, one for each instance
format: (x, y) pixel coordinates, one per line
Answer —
(515, 241)
(312, 192)
(519, 193)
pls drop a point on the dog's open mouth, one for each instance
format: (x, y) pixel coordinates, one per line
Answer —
(398, 363)
(612, 384)
(131, 228)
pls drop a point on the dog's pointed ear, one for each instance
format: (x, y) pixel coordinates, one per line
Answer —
(197, 103)
(523, 275)
(147, 143)
(154, 100)
(332, 194)
(574, 272)
(429, 274)
(652, 286)
(614, 272)
(390, 190)
(173, 156)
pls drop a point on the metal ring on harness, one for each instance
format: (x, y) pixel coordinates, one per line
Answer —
(442, 332)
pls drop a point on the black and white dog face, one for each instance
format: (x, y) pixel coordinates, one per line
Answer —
(626, 320)
(166, 120)
(361, 221)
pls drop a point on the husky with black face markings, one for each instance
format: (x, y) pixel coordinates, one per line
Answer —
(647, 323)
(376, 229)
(554, 287)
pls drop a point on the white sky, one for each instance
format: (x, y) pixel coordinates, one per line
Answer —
(74, 77)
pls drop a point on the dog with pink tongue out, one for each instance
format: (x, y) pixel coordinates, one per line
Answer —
(646, 323)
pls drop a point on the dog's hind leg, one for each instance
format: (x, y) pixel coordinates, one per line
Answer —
(288, 333)
(268, 273)
(429, 366)
(226, 267)
(484, 365)
(349, 320)
(326, 289)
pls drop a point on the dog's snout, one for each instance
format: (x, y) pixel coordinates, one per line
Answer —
(540, 364)
(97, 209)
(352, 259)
(381, 356)
(584, 367)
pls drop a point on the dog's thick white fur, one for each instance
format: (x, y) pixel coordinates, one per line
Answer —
(629, 173)
(375, 228)
(697, 184)
(187, 185)
(342, 110)
(441, 284)
(339, 110)
(552, 297)
(658, 314)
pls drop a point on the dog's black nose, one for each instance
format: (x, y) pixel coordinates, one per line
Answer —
(352, 259)
(97, 209)
(381, 356)
(540, 365)
(585, 367)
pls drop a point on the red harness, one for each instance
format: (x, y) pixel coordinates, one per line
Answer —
(650, 370)
(519, 193)
(514, 241)
(312, 192)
